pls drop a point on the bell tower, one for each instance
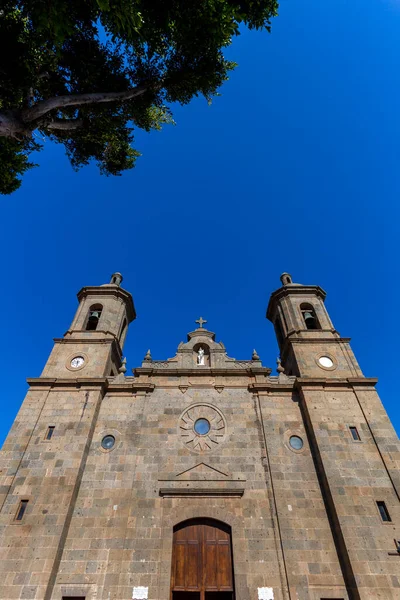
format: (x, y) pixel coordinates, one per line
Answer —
(309, 344)
(354, 447)
(92, 346)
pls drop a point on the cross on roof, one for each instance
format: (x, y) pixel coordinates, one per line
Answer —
(200, 322)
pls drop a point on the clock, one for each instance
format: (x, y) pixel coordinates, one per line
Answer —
(77, 362)
(326, 362)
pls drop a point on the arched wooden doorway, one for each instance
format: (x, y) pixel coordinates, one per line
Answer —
(202, 565)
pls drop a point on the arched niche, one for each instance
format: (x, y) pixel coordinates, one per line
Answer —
(201, 359)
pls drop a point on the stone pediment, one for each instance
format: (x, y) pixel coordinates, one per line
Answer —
(202, 480)
(202, 472)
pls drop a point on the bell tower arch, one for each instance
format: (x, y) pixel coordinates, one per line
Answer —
(347, 429)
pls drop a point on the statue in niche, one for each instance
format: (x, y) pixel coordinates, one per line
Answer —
(200, 356)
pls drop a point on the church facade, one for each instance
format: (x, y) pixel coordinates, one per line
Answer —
(201, 477)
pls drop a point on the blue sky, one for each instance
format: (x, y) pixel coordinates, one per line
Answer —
(294, 168)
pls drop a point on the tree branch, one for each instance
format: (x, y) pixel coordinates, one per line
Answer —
(64, 124)
(11, 125)
(41, 108)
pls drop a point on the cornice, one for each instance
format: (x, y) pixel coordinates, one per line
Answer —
(202, 371)
(266, 386)
(316, 340)
(204, 492)
(296, 383)
(111, 290)
(201, 332)
(99, 382)
(293, 289)
(62, 382)
(362, 380)
(85, 340)
(304, 382)
(88, 340)
(295, 339)
(133, 386)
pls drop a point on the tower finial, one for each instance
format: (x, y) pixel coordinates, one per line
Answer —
(148, 357)
(116, 279)
(286, 279)
(279, 368)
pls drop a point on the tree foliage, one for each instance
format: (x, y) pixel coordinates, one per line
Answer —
(85, 73)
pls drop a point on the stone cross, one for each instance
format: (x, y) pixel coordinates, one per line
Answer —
(200, 322)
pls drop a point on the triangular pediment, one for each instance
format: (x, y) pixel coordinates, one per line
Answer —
(202, 472)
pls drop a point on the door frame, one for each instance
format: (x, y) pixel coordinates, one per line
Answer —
(199, 521)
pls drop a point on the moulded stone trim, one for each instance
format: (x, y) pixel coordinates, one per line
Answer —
(346, 382)
(86, 339)
(110, 291)
(78, 382)
(203, 492)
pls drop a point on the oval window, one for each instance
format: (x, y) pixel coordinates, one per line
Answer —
(108, 442)
(296, 442)
(202, 426)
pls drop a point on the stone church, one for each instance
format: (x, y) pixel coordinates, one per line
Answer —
(201, 477)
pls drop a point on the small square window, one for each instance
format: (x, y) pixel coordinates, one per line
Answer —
(21, 510)
(355, 434)
(383, 511)
(49, 432)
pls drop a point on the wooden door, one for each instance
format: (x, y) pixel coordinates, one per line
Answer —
(202, 561)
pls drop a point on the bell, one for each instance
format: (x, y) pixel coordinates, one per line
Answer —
(95, 315)
(310, 320)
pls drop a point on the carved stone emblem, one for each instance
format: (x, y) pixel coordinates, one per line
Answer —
(202, 428)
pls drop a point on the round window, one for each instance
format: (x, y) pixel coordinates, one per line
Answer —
(202, 426)
(108, 442)
(296, 442)
(326, 362)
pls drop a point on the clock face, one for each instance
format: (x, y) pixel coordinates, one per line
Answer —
(77, 362)
(326, 362)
